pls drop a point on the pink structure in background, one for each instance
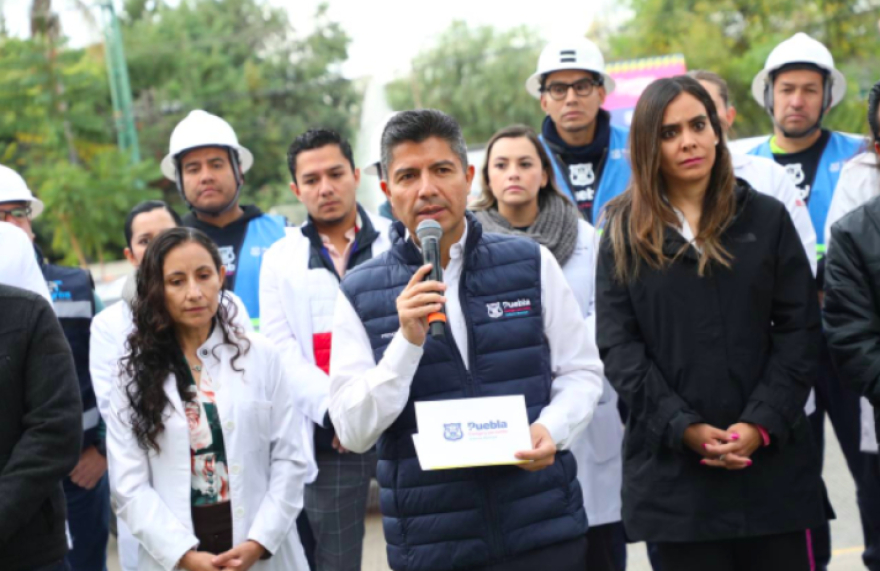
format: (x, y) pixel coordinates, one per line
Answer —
(632, 77)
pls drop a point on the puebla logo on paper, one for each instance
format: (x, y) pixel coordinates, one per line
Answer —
(518, 308)
(475, 430)
(452, 431)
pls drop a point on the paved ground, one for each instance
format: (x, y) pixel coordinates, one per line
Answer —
(846, 530)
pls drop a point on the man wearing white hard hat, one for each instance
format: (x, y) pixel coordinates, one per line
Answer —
(208, 164)
(797, 87)
(589, 153)
(591, 167)
(72, 292)
(764, 175)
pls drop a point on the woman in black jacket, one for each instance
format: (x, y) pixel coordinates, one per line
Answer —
(708, 325)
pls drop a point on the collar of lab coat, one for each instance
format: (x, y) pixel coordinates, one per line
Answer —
(212, 355)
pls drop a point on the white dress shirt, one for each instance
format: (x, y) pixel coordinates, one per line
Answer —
(367, 397)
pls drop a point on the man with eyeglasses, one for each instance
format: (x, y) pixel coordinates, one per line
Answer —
(589, 154)
(86, 489)
(591, 165)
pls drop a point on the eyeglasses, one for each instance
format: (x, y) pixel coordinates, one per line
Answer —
(582, 88)
(21, 213)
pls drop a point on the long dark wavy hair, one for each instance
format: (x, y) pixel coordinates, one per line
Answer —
(153, 349)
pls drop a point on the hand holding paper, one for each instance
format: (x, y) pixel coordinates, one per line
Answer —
(543, 452)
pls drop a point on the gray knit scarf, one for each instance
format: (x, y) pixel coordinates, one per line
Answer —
(555, 228)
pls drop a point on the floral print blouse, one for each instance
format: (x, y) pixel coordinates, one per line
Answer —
(210, 479)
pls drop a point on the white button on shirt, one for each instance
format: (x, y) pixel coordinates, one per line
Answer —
(367, 397)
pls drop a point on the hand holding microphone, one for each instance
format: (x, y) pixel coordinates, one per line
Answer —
(420, 303)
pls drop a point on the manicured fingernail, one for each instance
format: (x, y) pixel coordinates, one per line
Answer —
(734, 436)
(703, 462)
(748, 462)
(705, 445)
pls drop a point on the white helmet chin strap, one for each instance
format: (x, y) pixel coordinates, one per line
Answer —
(213, 212)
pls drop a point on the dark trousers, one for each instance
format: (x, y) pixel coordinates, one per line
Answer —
(57, 566)
(869, 506)
(842, 406)
(606, 547)
(306, 538)
(566, 556)
(785, 552)
(336, 505)
(88, 515)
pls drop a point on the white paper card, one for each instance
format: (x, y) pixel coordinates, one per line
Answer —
(466, 433)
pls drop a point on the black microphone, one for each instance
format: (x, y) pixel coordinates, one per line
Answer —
(429, 233)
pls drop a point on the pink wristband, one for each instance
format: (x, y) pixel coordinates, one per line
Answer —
(765, 436)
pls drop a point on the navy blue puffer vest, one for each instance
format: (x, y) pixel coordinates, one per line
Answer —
(458, 519)
(71, 290)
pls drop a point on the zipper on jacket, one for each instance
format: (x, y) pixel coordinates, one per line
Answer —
(496, 541)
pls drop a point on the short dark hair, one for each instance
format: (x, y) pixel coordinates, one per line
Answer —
(714, 79)
(143, 208)
(873, 104)
(315, 139)
(419, 125)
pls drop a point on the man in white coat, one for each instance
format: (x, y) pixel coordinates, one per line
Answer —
(299, 282)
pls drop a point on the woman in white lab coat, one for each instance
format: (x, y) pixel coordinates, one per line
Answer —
(111, 328)
(203, 442)
(520, 197)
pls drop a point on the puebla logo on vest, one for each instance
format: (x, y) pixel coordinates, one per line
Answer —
(498, 309)
(453, 431)
(55, 289)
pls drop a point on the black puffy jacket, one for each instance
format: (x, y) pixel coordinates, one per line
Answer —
(852, 301)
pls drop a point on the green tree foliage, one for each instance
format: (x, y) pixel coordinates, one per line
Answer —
(734, 38)
(239, 59)
(56, 130)
(478, 76)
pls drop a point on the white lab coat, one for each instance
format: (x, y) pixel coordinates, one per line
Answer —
(287, 294)
(109, 333)
(264, 453)
(859, 182)
(598, 449)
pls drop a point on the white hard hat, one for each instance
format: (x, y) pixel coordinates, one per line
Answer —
(575, 53)
(376, 147)
(14, 189)
(800, 48)
(202, 129)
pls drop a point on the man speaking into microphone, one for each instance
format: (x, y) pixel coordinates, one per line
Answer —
(383, 361)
